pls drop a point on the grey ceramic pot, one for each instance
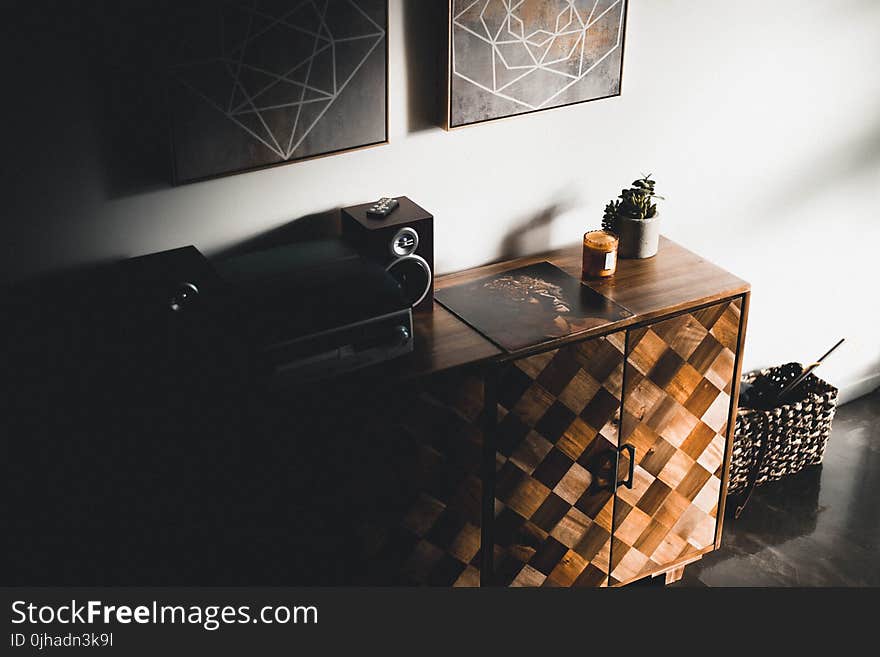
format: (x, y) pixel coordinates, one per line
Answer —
(638, 238)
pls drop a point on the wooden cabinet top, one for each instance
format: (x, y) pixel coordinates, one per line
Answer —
(673, 280)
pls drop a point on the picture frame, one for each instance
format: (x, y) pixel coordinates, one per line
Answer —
(526, 52)
(211, 140)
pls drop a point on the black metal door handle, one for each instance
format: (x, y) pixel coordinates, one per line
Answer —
(628, 482)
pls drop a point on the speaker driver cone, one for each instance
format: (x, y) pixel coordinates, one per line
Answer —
(405, 242)
(414, 276)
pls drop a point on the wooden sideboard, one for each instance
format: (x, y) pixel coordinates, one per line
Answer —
(593, 460)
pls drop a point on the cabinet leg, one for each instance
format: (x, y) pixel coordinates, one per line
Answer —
(674, 575)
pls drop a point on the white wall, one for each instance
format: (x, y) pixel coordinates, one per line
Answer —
(760, 121)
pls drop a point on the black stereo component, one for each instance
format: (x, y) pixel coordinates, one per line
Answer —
(318, 309)
(402, 242)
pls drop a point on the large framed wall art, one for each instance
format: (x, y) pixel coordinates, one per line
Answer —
(258, 83)
(511, 57)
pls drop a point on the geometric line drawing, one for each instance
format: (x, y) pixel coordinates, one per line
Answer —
(255, 87)
(561, 50)
(517, 56)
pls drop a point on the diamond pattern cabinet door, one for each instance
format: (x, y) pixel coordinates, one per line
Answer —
(558, 417)
(429, 533)
(679, 377)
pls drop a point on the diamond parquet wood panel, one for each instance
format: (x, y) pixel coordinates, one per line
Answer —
(429, 533)
(557, 438)
(557, 521)
(679, 378)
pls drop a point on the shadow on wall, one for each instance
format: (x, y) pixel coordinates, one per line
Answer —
(110, 93)
(533, 234)
(320, 225)
(425, 26)
(529, 236)
(54, 183)
(125, 49)
(842, 161)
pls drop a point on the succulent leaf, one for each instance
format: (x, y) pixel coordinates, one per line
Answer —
(634, 203)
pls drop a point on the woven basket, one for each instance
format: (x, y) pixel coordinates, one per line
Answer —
(796, 433)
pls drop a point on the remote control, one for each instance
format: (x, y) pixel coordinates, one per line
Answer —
(382, 208)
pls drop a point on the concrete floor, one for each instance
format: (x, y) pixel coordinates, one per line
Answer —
(820, 527)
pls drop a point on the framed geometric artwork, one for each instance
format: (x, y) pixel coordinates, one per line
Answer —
(511, 57)
(257, 83)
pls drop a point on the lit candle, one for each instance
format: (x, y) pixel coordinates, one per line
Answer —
(600, 254)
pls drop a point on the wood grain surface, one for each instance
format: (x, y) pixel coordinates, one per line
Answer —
(675, 374)
(679, 380)
(675, 279)
(556, 449)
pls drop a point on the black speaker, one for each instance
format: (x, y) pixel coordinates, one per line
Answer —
(403, 242)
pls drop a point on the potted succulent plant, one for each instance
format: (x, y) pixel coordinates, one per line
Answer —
(635, 220)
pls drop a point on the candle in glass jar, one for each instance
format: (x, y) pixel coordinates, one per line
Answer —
(600, 254)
